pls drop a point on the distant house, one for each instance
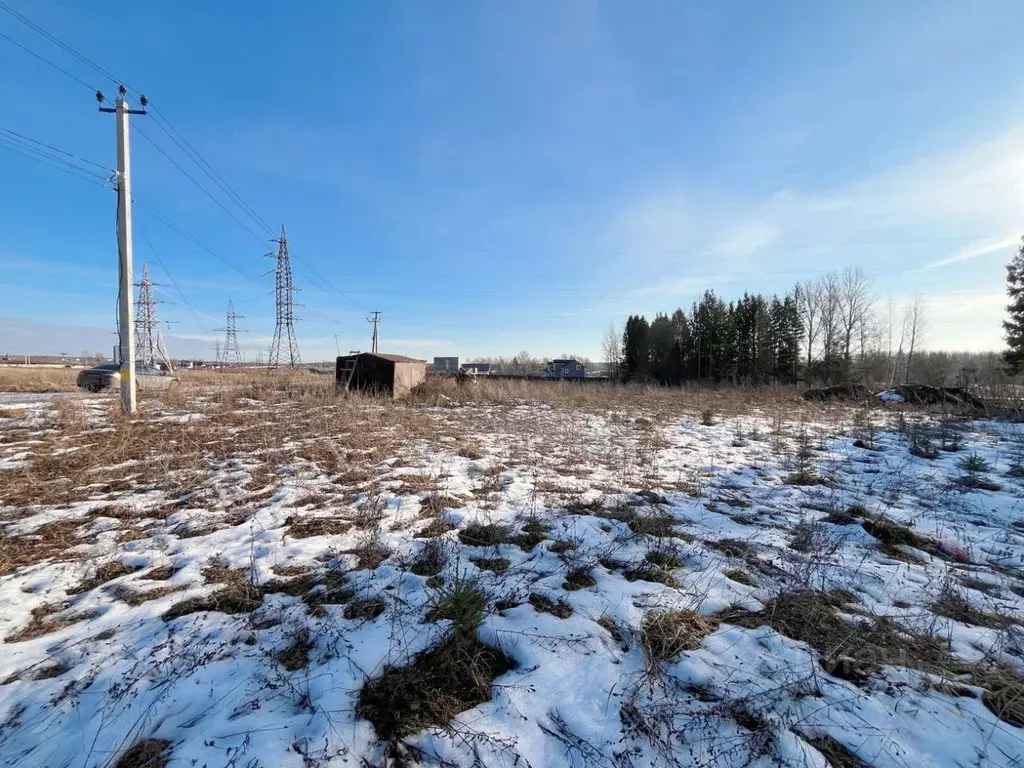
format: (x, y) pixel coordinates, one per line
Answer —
(566, 369)
(476, 369)
(445, 365)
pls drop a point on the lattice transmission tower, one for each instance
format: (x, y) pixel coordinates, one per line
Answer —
(230, 352)
(284, 327)
(149, 344)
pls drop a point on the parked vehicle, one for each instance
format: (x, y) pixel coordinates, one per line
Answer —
(108, 376)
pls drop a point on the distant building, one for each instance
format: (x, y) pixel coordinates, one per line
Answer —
(445, 365)
(391, 375)
(566, 369)
(476, 369)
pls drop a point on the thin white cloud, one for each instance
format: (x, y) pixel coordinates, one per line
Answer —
(974, 251)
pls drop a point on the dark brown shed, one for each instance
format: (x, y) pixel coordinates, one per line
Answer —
(394, 375)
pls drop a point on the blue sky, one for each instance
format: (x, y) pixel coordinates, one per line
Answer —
(505, 176)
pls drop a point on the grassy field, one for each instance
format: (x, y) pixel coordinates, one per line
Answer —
(256, 570)
(37, 379)
(52, 379)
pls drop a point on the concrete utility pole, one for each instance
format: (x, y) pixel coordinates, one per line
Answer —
(376, 329)
(126, 329)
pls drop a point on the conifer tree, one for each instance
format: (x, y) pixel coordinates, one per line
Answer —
(1014, 323)
(636, 348)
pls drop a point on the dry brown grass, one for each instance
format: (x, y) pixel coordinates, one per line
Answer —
(37, 379)
(666, 634)
(608, 396)
(149, 753)
(43, 622)
(51, 541)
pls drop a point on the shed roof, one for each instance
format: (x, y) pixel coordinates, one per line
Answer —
(391, 358)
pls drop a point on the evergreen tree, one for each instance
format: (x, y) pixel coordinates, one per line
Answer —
(636, 348)
(1014, 323)
(681, 342)
(661, 345)
(790, 331)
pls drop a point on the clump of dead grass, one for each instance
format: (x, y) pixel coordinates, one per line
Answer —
(148, 753)
(442, 682)
(296, 655)
(51, 541)
(492, 564)
(364, 609)
(891, 536)
(666, 634)
(431, 559)
(44, 622)
(543, 604)
(305, 528)
(953, 605)
(471, 449)
(579, 578)
(484, 535)
(237, 595)
(837, 755)
(101, 575)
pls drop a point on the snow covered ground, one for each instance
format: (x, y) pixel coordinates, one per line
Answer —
(250, 581)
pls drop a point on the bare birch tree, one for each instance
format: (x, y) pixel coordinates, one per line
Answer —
(808, 302)
(611, 346)
(915, 323)
(855, 301)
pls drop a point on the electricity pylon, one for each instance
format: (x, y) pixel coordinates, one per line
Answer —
(230, 352)
(284, 326)
(149, 344)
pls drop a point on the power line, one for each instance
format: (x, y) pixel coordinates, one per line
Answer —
(45, 60)
(57, 164)
(58, 42)
(183, 144)
(174, 282)
(199, 244)
(56, 149)
(199, 186)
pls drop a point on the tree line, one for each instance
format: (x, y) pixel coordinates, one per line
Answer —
(828, 329)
